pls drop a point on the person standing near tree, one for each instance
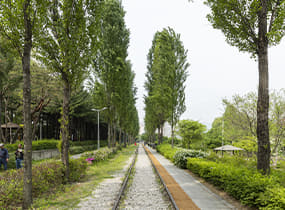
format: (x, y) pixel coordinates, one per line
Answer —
(4, 156)
(19, 156)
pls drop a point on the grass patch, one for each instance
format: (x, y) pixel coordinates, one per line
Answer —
(96, 173)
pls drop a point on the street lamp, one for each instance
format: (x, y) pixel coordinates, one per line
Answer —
(98, 136)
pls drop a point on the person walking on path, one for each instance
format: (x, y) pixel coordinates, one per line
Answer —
(4, 156)
(19, 156)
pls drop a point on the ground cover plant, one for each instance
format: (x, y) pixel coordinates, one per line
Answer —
(46, 176)
(96, 173)
(76, 147)
(235, 174)
(167, 151)
(247, 185)
(180, 157)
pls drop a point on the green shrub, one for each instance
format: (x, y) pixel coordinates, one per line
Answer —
(81, 149)
(248, 186)
(11, 162)
(44, 144)
(85, 143)
(181, 156)
(167, 151)
(273, 198)
(53, 144)
(77, 169)
(236, 160)
(99, 155)
(46, 176)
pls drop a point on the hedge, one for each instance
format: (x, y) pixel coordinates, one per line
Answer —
(101, 154)
(52, 144)
(248, 186)
(180, 157)
(167, 151)
(46, 176)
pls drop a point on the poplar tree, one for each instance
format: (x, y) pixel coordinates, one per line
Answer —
(21, 22)
(252, 26)
(66, 47)
(166, 75)
(177, 81)
(111, 61)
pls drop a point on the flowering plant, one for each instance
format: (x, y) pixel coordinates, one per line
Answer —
(89, 160)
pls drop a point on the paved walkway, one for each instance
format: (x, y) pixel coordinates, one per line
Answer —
(201, 195)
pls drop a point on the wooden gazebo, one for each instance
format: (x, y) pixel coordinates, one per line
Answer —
(228, 148)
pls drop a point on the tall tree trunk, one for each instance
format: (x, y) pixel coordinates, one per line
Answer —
(120, 136)
(26, 59)
(172, 135)
(6, 121)
(109, 135)
(1, 132)
(65, 126)
(34, 129)
(158, 136)
(114, 135)
(125, 140)
(263, 155)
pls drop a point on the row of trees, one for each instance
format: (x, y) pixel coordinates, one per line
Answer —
(70, 39)
(165, 84)
(113, 77)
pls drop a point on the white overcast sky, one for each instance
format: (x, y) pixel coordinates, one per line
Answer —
(217, 70)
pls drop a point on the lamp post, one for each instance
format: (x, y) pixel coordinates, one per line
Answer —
(98, 134)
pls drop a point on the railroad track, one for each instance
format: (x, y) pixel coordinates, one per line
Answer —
(121, 192)
(162, 181)
(123, 187)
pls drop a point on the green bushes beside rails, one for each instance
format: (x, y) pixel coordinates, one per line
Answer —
(101, 154)
(52, 144)
(167, 151)
(46, 176)
(44, 144)
(80, 149)
(248, 186)
(180, 157)
(36, 145)
(87, 143)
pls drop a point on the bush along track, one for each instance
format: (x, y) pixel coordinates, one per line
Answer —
(235, 176)
(47, 177)
(248, 186)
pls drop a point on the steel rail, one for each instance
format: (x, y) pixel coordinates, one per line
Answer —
(123, 187)
(165, 187)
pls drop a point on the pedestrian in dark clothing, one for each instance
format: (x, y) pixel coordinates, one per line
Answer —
(4, 156)
(19, 156)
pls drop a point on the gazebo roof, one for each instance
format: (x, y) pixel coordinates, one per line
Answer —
(228, 148)
(10, 125)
